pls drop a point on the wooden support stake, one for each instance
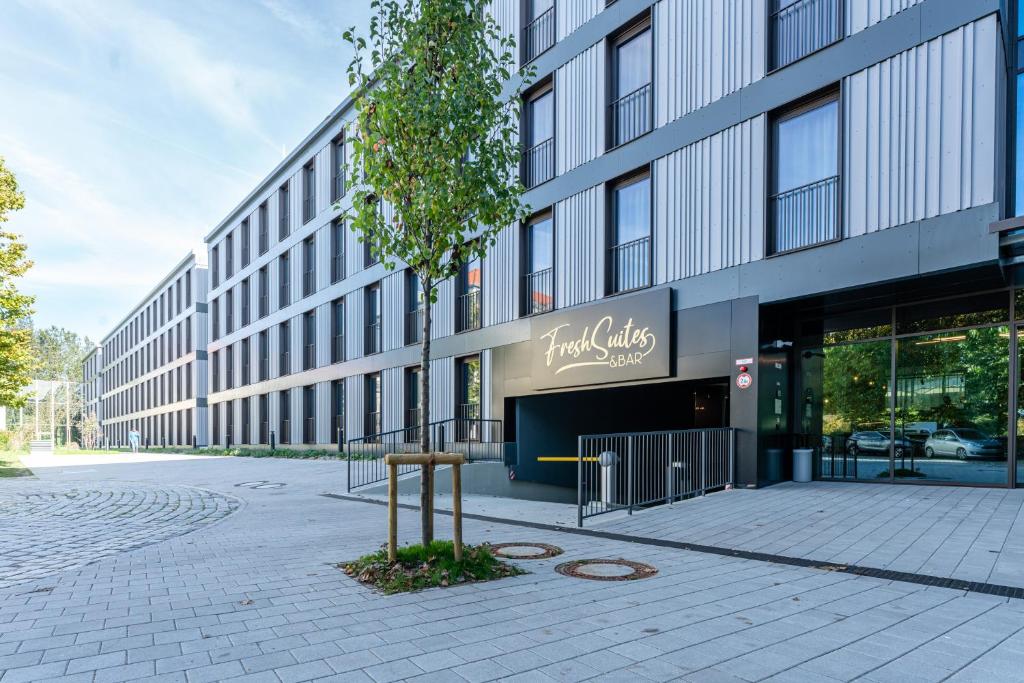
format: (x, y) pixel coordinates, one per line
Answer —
(457, 510)
(392, 512)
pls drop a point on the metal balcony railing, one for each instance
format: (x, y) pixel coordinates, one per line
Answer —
(802, 27)
(371, 339)
(631, 115)
(285, 432)
(805, 215)
(308, 356)
(338, 184)
(630, 265)
(539, 163)
(371, 426)
(414, 326)
(337, 266)
(309, 430)
(467, 311)
(539, 35)
(308, 282)
(337, 348)
(538, 292)
(285, 363)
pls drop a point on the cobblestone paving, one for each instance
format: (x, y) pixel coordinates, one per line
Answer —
(48, 527)
(257, 598)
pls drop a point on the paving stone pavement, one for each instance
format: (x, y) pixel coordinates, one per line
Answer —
(46, 527)
(256, 597)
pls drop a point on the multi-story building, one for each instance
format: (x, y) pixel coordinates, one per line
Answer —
(769, 216)
(92, 385)
(154, 363)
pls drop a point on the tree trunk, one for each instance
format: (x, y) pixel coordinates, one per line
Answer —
(426, 472)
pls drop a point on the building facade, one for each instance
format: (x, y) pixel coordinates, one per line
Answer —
(153, 369)
(792, 219)
(92, 388)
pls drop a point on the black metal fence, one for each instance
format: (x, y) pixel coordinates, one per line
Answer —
(479, 440)
(802, 27)
(539, 163)
(539, 35)
(538, 292)
(806, 215)
(467, 311)
(630, 265)
(631, 470)
(632, 115)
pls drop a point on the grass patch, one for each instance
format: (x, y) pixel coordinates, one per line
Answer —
(10, 465)
(434, 566)
(309, 454)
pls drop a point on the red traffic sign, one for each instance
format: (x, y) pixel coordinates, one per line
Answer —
(744, 380)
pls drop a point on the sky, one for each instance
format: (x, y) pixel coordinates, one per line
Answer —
(134, 127)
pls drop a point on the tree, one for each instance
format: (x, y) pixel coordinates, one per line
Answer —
(15, 307)
(59, 354)
(436, 146)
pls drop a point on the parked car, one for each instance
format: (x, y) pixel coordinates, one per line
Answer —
(963, 443)
(877, 442)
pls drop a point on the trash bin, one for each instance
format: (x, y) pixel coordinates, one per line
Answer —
(802, 464)
(773, 460)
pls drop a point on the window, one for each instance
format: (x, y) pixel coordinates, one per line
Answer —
(188, 289)
(246, 378)
(372, 401)
(468, 408)
(246, 242)
(264, 418)
(215, 409)
(538, 290)
(284, 342)
(215, 266)
(215, 370)
(800, 27)
(284, 280)
(338, 330)
(629, 251)
(369, 257)
(539, 137)
(264, 228)
(309, 191)
(539, 34)
(468, 298)
(412, 403)
(338, 410)
(215, 319)
(229, 311)
(264, 292)
(804, 205)
(309, 340)
(631, 113)
(371, 311)
(308, 266)
(229, 367)
(284, 409)
(284, 211)
(338, 168)
(229, 256)
(246, 300)
(414, 308)
(309, 414)
(264, 351)
(337, 250)
(246, 434)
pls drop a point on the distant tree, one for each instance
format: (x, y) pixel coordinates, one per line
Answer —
(59, 354)
(15, 307)
(435, 149)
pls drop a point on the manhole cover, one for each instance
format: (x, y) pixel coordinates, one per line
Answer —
(526, 551)
(261, 484)
(606, 570)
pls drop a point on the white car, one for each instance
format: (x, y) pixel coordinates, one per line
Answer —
(962, 443)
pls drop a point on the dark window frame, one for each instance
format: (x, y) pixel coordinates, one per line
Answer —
(526, 272)
(611, 287)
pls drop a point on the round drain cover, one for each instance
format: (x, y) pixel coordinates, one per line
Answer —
(606, 570)
(525, 551)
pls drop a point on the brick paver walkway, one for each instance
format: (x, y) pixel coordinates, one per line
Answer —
(256, 598)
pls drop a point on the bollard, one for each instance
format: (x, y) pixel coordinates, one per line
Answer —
(272, 439)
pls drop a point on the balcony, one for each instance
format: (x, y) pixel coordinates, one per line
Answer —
(539, 163)
(539, 292)
(371, 338)
(806, 215)
(631, 115)
(467, 311)
(337, 267)
(629, 265)
(800, 27)
(539, 36)
(468, 424)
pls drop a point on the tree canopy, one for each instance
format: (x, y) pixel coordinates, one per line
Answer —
(15, 307)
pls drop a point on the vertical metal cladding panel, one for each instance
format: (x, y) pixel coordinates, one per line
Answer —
(442, 313)
(579, 247)
(323, 413)
(580, 109)
(354, 401)
(500, 281)
(295, 353)
(392, 304)
(274, 348)
(506, 15)
(921, 131)
(323, 335)
(297, 415)
(391, 398)
(442, 388)
(860, 14)
(704, 50)
(709, 203)
(485, 384)
(571, 14)
(323, 256)
(354, 328)
(201, 425)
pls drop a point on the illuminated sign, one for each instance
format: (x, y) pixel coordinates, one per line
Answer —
(624, 339)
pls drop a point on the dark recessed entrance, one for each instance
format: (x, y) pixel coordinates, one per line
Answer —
(546, 427)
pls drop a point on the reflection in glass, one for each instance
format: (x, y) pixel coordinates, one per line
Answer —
(952, 405)
(807, 147)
